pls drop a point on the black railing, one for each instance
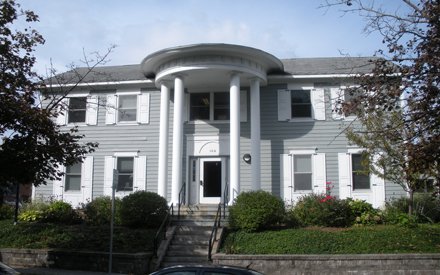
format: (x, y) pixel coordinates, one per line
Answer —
(217, 220)
(182, 198)
(161, 233)
(214, 230)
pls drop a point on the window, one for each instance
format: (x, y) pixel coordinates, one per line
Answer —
(301, 104)
(302, 172)
(125, 173)
(221, 106)
(360, 174)
(77, 110)
(214, 106)
(199, 106)
(73, 177)
(127, 108)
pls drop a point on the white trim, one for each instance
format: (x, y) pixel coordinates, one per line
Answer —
(78, 95)
(127, 92)
(125, 154)
(302, 152)
(101, 83)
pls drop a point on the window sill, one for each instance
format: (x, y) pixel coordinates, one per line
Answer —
(204, 122)
(301, 120)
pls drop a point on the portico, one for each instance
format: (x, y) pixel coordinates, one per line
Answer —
(208, 66)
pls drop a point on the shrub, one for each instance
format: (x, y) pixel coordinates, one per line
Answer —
(364, 212)
(426, 208)
(6, 212)
(322, 210)
(33, 211)
(143, 209)
(98, 211)
(53, 212)
(61, 212)
(256, 210)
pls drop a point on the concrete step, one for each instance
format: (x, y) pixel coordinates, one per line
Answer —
(194, 222)
(190, 240)
(191, 251)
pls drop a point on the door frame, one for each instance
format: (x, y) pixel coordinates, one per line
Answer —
(211, 200)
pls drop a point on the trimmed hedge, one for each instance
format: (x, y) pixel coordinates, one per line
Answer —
(256, 210)
(143, 209)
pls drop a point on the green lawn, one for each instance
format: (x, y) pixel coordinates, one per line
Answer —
(356, 240)
(77, 237)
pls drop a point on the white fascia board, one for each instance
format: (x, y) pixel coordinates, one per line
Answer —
(102, 83)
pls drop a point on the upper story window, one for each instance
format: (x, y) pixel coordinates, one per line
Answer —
(360, 174)
(340, 96)
(301, 104)
(77, 110)
(127, 108)
(210, 106)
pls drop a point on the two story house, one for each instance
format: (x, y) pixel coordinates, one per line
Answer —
(209, 121)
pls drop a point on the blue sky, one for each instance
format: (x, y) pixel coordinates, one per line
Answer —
(284, 28)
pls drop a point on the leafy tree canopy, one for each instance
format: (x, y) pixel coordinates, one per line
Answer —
(33, 146)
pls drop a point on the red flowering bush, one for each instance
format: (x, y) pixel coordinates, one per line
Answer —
(322, 210)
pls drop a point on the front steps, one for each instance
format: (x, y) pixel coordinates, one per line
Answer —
(190, 242)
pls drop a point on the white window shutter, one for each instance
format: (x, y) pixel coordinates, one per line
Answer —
(87, 179)
(92, 110)
(286, 178)
(243, 106)
(345, 187)
(284, 105)
(63, 110)
(143, 110)
(109, 165)
(140, 173)
(58, 185)
(377, 185)
(337, 97)
(319, 173)
(111, 110)
(318, 103)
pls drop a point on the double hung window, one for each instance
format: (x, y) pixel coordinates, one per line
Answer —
(209, 106)
(127, 108)
(125, 173)
(302, 168)
(77, 110)
(73, 177)
(301, 104)
(360, 174)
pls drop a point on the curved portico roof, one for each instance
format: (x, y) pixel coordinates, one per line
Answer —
(210, 63)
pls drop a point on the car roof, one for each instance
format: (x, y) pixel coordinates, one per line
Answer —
(241, 270)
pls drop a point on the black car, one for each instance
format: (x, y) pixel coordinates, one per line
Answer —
(6, 270)
(205, 270)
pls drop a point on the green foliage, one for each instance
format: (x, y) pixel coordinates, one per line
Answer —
(48, 212)
(364, 213)
(74, 237)
(256, 210)
(143, 209)
(426, 209)
(61, 212)
(322, 210)
(6, 212)
(98, 211)
(353, 240)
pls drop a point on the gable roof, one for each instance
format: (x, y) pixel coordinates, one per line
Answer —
(294, 66)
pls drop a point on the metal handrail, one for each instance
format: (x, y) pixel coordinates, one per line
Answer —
(225, 199)
(162, 229)
(214, 230)
(218, 217)
(182, 198)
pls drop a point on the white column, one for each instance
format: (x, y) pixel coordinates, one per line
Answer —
(234, 97)
(176, 181)
(163, 140)
(255, 134)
